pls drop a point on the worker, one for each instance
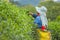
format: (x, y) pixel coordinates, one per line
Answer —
(43, 10)
(40, 17)
(37, 19)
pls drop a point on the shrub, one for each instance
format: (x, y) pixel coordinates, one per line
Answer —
(15, 24)
(54, 27)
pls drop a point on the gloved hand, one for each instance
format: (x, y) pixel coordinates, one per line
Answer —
(29, 13)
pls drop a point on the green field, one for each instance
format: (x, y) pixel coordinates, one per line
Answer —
(15, 24)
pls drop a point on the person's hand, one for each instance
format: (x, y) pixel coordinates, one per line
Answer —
(30, 13)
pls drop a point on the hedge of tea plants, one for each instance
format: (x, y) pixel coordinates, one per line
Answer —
(15, 24)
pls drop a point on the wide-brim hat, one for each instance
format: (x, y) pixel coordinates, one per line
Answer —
(41, 9)
(38, 9)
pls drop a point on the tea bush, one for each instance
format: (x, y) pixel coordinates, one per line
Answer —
(54, 27)
(58, 18)
(15, 24)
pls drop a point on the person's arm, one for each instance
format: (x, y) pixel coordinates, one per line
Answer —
(34, 15)
(36, 21)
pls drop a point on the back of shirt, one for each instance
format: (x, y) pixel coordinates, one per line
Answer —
(38, 21)
(44, 19)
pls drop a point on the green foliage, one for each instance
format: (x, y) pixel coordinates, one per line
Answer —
(30, 8)
(54, 27)
(58, 18)
(15, 24)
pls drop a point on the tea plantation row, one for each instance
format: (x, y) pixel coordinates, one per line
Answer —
(15, 24)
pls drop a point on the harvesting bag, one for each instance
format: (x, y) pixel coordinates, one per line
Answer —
(44, 35)
(42, 10)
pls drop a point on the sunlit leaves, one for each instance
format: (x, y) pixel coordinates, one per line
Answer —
(15, 24)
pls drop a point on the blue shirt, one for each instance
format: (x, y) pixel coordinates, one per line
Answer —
(37, 20)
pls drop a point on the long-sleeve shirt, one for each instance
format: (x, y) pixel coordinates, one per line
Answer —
(37, 20)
